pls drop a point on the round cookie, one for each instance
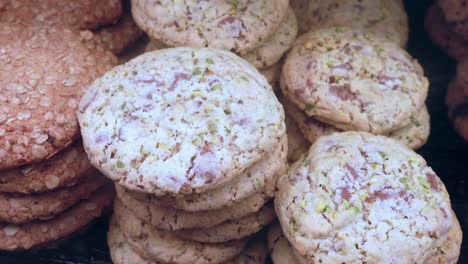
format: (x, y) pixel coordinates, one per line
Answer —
(76, 14)
(64, 169)
(384, 18)
(44, 74)
(442, 35)
(232, 229)
(280, 249)
(253, 180)
(271, 51)
(353, 81)
(363, 197)
(272, 75)
(216, 116)
(40, 233)
(120, 36)
(170, 219)
(20, 209)
(239, 26)
(166, 247)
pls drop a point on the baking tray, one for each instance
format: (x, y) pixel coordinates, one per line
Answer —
(445, 151)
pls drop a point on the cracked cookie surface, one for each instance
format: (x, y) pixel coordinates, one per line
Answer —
(208, 114)
(238, 26)
(353, 81)
(253, 180)
(378, 202)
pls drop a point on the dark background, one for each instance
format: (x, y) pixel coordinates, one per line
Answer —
(445, 151)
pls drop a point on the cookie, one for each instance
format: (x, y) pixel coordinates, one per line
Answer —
(59, 171)
(254, 252)
(414, 135)
(120, 251)
(253, 180)
(144, 207)
(271, 51)
(239, 26)
(76, 14)
(40, 233)
(369, 198)
(20, 209)
(456, 15)
(450, 249)
(272, 75)
(353, 81)
(216, 116)
(440, 33)
(44, 74)
(385, 18)
(121, 36)
(279, 247)
(232, 229)
(164, 246)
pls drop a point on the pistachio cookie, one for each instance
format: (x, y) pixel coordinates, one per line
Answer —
(414, 135)
(271, 51)
(357, 197)
(166, 247)
(384, 18)
(170, 219)
(255, 252)
(253, 180)
(208, 114)
(59, 171)
(45, 73)
(238, 26)
(41, 233)
(354, 81)
(232, 229)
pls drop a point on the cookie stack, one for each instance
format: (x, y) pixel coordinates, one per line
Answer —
(357, 197)
(339, 79)
(106, 21)
(259, 31)
(48, 189)
(457, 100)
(447, 25)
(194, 140)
